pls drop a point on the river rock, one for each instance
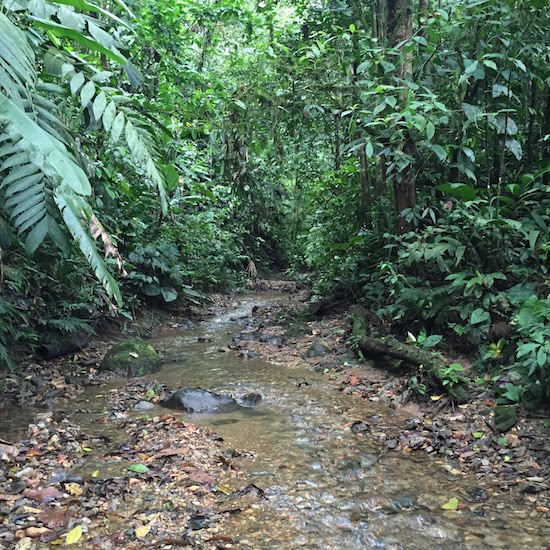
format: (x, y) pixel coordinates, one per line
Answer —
(250, 399)
(131, 358)
(200, 401)
(318, 349)
(506, 416)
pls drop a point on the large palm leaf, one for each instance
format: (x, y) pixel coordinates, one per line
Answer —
(35, 165)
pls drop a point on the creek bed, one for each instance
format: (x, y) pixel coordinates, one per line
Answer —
(325, 486)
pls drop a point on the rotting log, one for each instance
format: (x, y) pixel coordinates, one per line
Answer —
(433, 364)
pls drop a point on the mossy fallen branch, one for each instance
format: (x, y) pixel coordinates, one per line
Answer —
(434, 367)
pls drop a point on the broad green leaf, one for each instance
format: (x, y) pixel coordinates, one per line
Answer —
(479, 316)
(100, 103)
(430, 130)
(369, 150)
(58, 166)
(440, 152)
(138, 468)
(93, 45)
(109, 116)
(169, 294)
(459, 190)
(87, 94)
(118, 126)
(77, 81)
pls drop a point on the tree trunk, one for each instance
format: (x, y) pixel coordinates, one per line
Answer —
(400, 31)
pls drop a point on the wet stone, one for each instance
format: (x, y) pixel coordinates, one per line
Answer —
(143, 406)
(200, 401)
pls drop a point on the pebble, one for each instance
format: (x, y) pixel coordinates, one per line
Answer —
(495, 542)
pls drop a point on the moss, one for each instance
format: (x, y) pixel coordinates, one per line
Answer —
(131, 358)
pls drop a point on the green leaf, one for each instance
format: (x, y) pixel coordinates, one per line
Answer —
(67, 32)
(169, 294)
(74, 535)
(100, 103)
(451, 504)
(479, 316)
(118, 126)
(369, 150)
(58, 165)
(87, 93)
(430, 130)
(138, 468)
(75, 211)
(77, 81)
(440, 152)
(490, 64)
(459, 190)
(109, 116)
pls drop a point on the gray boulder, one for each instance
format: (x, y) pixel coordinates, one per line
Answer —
(200, 401)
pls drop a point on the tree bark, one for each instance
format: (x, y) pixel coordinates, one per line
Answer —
(400, 32)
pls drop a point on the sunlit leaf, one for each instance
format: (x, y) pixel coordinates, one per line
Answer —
(74, 535)
(451, 504)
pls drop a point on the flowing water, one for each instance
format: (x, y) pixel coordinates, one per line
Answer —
(325, 487)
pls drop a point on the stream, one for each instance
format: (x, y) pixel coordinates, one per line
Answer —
(324, 486)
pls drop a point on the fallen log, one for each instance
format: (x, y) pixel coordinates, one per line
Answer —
(432, 366)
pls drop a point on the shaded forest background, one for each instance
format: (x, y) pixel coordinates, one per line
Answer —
(395, 153)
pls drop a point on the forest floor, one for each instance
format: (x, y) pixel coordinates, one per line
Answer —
(160, 482)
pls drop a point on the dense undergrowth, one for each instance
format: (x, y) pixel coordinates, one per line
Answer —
(398, 152)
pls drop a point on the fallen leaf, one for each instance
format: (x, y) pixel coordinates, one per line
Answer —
(226, 490)
(133, 354)
(437, 397)
(95, 473)
(172, 452)
(54, 519)
(8, 498)
(74, 535)
(198, 476)
(74, 489)
(451, 504)
(467, 454)
(143, 531)
(32, 510)
(138, 468)
(354, 381)
(44, 495)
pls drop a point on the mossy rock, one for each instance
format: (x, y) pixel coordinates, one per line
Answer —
(131, 358)
(506, 416)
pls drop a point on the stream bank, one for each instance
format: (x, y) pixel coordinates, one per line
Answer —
(307, 468)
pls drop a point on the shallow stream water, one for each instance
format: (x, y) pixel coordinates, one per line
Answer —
(325, 487)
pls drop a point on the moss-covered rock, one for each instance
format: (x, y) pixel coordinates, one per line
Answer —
(131, 358)
(506, 416)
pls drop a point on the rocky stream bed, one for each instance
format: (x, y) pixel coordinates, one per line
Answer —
(328, 458)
